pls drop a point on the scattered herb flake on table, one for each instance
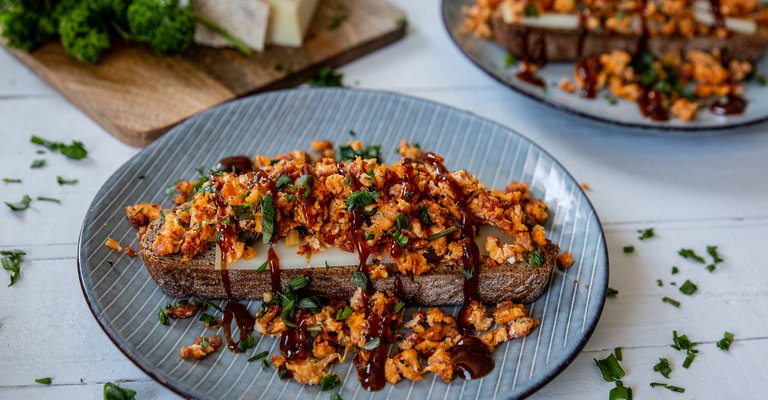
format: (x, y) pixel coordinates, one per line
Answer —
(114, 392)
(725, 342)
(11, 261)
(691, 255)
(21, 205)
(671, 301)
(712, 251)
(611, 292)
(44, 381)
(11, 180)
(629, 249)
(610, 368)
(63, 181)
(688, 288)
(683, 343)
(74, 150)
(48, 199)
(663, 367)
(659, 283)
(327, 77)
(259, 356)
(677, 389)
(646, 233)
(675, 270)
(37, 164)
(336, 21)
(620, 392)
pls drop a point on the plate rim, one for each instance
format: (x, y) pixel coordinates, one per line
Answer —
(553, 372)
(667, 129)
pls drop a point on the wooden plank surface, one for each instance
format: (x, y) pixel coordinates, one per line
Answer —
(138, 95)
(695, 190)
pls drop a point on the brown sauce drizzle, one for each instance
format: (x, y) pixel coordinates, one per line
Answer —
(729, 105)
(651, 104)
(471, 357)
(236, 164)
(588, 70)
(243, 319)
(717, 13)
(526, 74)
(295, 342)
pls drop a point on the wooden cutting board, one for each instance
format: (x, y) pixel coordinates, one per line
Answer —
(138, 95)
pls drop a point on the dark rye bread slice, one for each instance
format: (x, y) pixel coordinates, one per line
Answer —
(443, 285)
(568, 45)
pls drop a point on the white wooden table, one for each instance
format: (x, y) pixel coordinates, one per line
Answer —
(695, 190)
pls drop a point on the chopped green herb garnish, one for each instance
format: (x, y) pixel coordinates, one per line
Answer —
(659, 283)
(444, 232)
(535, 259)
(612, 101)
(336, 21)
(306, 182)
(343, 313)
(162, 316)
(283, 180)
(618, 354)
(259, 356)
(671, 301)
(44, 381)
(400, 23)
(531, 10)
(360, 280)
(75, 150)
(629, 249)
(677, 389)
(725, 342)
(326, 77)
(646, 233)
(311, 303)
(691, 255)
(712, 251)
(683, 343)
(360, 199)
(268, 216)
(372, 344)
(21, 205)
(710, 267)
(263, 267)
(114, 392)
(62, 181)
(663, 367)
(210, 320)
(265, 364)
(37, 164)
(246, 344)
(424, 215)
(399, 238)
(329, 382)
(336, 396)
(620, 392)
(49, 199)
(298, 283)
(611, 292)
(402, 221)
(509, 60)
(688, 288)
(468, 273)
(675, 270)
(398, 306)
(610, 368)
(11, 180)
(761, 80)
(347, 153)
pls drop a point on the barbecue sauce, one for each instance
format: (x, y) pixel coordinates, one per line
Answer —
(588, 71)
(729, 105)
(526, 74)
(236, 164)
(651, 104)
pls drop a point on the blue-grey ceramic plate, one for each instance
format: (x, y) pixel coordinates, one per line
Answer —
(489, 57)
(124, 298)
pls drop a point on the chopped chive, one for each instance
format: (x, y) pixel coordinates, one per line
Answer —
(629, 249)
(671, 301)
(50, 199)
(617, 353)
(663, 367)
(612, 292)
(646, 233)
(259, 356)
(688, 288)
(610, 368)
(677, 389)
(659, 283)
(725, 342)
(44, 381)
(11, 180)
(691, 255)
(444, 232)
(675, 270)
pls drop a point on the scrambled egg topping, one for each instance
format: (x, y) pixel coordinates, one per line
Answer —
(405, 206)
(427, 347)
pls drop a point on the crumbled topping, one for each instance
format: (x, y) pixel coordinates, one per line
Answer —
(113, 244)
(201, 347)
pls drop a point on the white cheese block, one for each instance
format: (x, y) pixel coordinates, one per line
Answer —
(702, 12)
(289, 20)
(332, 256)
(247, 20)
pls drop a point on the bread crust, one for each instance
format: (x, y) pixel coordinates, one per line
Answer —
(564, 45)
(443, 285)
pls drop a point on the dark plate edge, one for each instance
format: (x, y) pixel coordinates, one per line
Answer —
(572, 111)
(590, 328)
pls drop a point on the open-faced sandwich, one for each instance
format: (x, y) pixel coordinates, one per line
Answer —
(672, 57)
(306, 233)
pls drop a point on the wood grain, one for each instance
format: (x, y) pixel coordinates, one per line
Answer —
(138, 95)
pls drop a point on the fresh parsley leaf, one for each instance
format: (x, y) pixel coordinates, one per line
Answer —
(610, 368)
(360, 280)
(213, 305)
(62, 181)
(329, 382)
(74, 150)
(268, 218)
(688, 288)
(424, 215)
(611, 292)
(305, 182)
(49, 199)
(629, 249)
(444, 232)
(677, 389)
(326, 77)
(671, 301)
(646, 233)
(114, 392)
(37, 164)
(399, 238)
(691, 255)
(21, 205)
(712, 251)
(343, 313)
(725, 342)
(259, 356)
(44, 381)
(372, 344)
(162, 316)
(663, 367)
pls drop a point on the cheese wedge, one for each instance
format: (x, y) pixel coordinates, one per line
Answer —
(289, 21)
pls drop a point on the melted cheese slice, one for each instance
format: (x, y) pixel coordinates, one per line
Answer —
(332, 256)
